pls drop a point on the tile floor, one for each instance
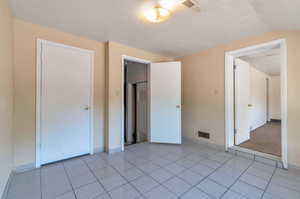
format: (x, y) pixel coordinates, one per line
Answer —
(154, 171)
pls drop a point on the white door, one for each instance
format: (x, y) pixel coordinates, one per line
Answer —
(165, 104)
(242, 101)
(65, 119)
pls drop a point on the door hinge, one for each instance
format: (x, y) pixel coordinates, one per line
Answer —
(234, 67)
(235, 131)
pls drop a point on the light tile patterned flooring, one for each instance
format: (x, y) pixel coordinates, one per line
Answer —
(156, 171)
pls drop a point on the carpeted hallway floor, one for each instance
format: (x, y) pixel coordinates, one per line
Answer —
(266, 139)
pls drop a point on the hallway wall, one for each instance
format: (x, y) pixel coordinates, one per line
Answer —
(114, 54)
(6, 93)
(25, 36)
(203, 90)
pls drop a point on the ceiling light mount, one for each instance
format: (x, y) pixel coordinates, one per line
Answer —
(157, 14)
(163, 8)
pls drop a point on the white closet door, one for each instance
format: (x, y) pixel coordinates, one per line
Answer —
(65, 127)
(165, 107)
(242, 101)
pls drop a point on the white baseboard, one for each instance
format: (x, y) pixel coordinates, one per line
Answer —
(99, 150)
(31, 166)
(5, 192)
(24, 168)
(257, 156)
(115, 150)
(295, 168)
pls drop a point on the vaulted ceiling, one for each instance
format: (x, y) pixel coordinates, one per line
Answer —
(187, 31)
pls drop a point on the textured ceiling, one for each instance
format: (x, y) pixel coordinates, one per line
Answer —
(187, 31)
(265, 61)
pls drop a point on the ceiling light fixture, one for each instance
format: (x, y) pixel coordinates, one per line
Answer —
(162, 11)
(156, 14)
(170, 4)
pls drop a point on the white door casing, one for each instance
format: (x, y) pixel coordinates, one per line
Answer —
(229, 95)
(64, 102)
(242, 101)
(165, 102)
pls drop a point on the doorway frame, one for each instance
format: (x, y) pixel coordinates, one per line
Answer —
(39, 66)
(229, 94)
(142, 61)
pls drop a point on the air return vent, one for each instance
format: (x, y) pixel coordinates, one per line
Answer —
(203, 134)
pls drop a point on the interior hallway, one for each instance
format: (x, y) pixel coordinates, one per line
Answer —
(266, 139)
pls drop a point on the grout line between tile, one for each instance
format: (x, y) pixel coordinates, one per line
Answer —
(237, 180)
(189, 151)
(41, 187)
(69, 180)
(171, 162)
(268, 183)
(195, 186)
(106, 191)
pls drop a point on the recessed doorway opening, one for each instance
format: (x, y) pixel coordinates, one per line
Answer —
(135, 102)
(256, 100)
(151, 105)
(263, 75)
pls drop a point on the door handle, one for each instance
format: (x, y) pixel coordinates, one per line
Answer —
(86, 108)
(250, 105)
(178, 106)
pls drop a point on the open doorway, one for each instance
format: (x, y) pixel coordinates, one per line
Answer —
(257, 93)
(135, 102)
(151, 106)
(256, 100)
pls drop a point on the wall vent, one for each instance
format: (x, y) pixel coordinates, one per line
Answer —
(203, 134)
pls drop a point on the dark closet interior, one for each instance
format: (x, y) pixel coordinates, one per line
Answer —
(135, 102)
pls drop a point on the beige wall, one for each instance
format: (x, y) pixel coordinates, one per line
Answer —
(6, 93)
(114, 87)
(25, 81)
(203, 90)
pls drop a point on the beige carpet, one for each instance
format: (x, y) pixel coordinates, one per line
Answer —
(266, 139)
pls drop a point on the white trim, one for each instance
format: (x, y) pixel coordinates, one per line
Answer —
(39, 49)
(284, 101)
(92, 85)
(24, 167)
(38, 102)
(134, 59)
(229, 98)
(256, 153)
